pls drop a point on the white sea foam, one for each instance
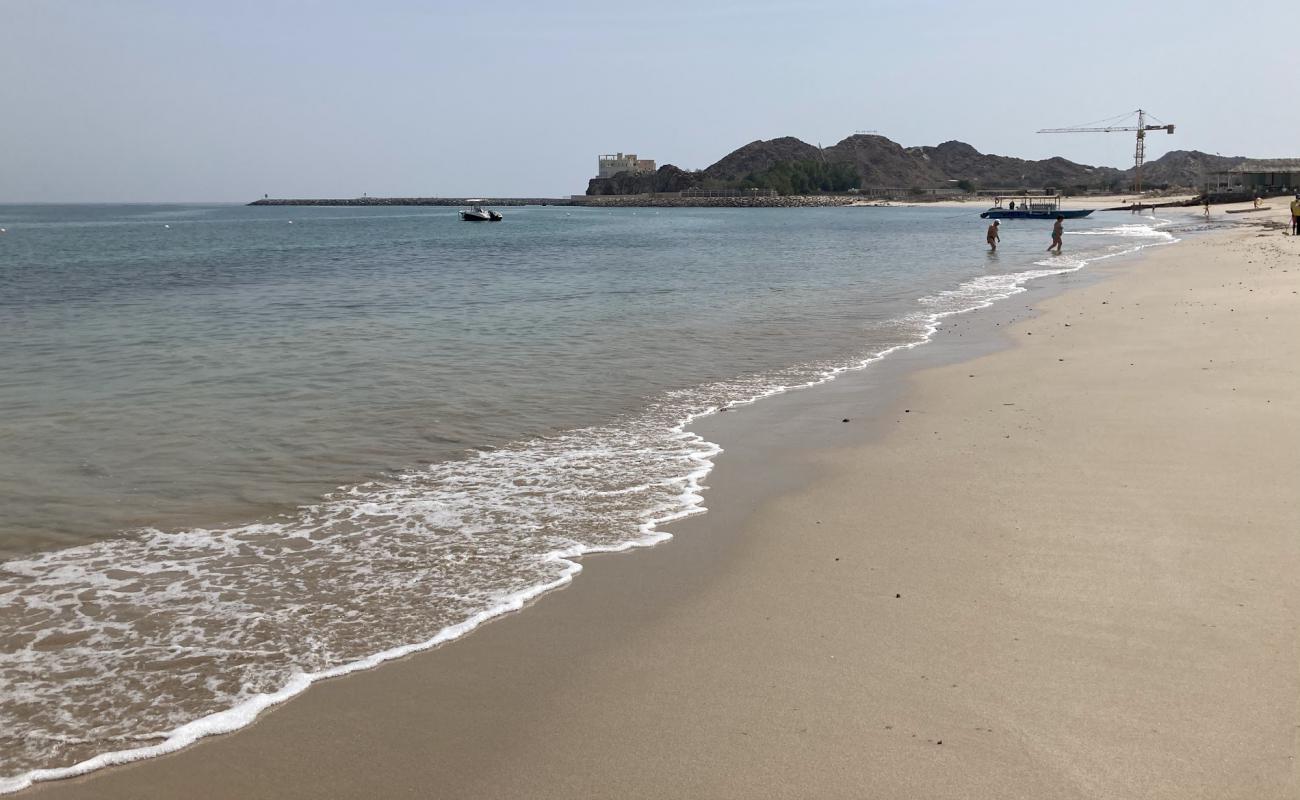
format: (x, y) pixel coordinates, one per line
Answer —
(138, 646)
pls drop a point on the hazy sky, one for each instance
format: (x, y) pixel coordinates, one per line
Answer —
(186, 100)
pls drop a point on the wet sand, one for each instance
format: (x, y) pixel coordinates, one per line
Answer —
(1061, 565)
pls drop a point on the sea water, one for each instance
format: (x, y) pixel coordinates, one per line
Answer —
(243, 448)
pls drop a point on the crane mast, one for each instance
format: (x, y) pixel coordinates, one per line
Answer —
(1139, 154)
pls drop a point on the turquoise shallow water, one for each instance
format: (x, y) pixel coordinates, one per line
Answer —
(173, 366)
(242, 448)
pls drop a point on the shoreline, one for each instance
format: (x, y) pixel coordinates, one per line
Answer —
(803, 445)
(87, 755)
(235, 718)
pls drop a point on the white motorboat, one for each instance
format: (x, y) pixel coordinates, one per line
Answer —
(479, 214)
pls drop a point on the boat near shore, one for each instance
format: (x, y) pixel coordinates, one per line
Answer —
(1032, 207)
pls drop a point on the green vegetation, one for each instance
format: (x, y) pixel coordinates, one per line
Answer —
(966, 185)
(804, 177)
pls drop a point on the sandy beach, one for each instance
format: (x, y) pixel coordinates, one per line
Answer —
(1051, 554)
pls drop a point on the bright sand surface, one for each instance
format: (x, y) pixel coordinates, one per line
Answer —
(1068, 568)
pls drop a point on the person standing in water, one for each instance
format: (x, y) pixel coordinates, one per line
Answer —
(1058, 230)
(992, 236)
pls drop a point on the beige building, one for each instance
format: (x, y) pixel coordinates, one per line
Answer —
(609, 166)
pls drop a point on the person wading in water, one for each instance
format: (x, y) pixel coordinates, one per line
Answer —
(1058, 230)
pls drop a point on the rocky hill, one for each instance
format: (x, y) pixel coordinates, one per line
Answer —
(758, 156)
(1185, 168)
(879, 162)
(884, 162)
(960, 161)
(665, 179)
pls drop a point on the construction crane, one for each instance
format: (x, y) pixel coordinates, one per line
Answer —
(1142, 127)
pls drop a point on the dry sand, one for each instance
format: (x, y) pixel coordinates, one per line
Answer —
(1067, 568)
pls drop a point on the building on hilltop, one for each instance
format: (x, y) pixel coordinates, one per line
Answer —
(609, 166)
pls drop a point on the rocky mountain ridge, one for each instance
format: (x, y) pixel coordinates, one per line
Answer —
(880, 163)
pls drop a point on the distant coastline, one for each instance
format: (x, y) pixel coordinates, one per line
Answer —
(662, 200)
(413, 201)
(675, 200)
(877, 166)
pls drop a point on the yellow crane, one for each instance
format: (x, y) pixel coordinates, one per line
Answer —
(1142, 127)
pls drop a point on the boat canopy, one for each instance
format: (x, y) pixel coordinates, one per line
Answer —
(1033, 203)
